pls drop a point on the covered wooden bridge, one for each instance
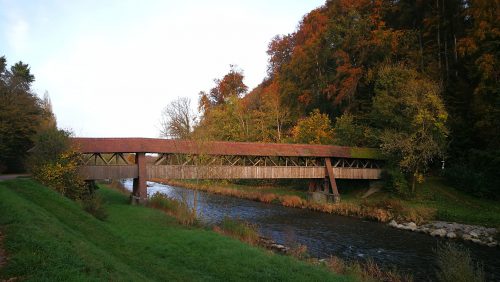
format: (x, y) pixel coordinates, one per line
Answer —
(146, 158)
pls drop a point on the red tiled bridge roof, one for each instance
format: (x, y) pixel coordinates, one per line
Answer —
(152, 145)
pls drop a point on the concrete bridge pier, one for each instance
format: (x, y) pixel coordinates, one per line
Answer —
(140, 188)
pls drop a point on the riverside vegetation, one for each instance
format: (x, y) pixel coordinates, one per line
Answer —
(447, 254)
(48, 237)
(248, 234)
(435, 201)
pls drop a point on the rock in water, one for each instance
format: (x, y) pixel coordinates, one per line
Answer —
(393, 223)
(439, 232)
(412, 226)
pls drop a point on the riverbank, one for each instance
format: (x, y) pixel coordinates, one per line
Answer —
(434, 202)
(50, 238)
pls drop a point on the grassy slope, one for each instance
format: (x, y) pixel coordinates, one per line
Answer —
(50, 238)
(451, 205)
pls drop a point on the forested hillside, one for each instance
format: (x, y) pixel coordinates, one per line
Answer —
(419, 79)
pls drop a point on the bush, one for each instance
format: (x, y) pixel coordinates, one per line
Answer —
(55, 164)
(95, 206)
(455, 265)
(63, 177)
(396, 182)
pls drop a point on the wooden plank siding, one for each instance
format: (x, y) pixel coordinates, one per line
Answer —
(225, 172)
(233, 172)
(96, 172)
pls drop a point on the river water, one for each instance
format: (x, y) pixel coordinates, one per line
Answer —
(328, 235)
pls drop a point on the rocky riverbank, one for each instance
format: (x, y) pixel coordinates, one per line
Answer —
(473, 233)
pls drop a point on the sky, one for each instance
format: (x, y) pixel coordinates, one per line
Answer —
(110, 67)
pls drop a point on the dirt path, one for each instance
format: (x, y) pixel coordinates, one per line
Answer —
(11, 176)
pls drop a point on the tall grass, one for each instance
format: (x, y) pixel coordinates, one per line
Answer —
(367, 271)
(177, 209)
(456, 265)
(238, 229)
(292, 201)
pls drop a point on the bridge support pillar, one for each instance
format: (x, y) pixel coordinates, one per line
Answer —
(139, 191)
(333, 183)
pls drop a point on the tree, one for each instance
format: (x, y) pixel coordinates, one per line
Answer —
(411, 119)
(315, 129)
(348, 133)
(177, 119)
(270, 117)
(48, 117)
(231, 85)
(20, 115)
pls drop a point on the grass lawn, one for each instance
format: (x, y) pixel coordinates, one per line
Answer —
(50, 238)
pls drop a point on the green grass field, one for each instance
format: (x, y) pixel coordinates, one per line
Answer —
(50, 238)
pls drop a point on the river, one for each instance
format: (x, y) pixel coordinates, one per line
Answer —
(328, 235)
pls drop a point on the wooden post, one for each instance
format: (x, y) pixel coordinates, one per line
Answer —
(333, 184)
(140, 192)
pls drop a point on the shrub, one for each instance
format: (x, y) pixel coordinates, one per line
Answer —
(95, 206)
(177, 209)
(455, 265)
(239, 229)
(54, 163)
(396, 182)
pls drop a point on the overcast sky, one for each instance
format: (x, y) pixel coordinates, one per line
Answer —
(111, 66)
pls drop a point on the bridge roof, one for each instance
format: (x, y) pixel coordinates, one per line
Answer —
(151, 145)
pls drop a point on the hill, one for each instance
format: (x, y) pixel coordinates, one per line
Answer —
(50, 238)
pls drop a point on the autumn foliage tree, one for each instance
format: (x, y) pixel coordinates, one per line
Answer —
(410, 118)
(231, 85)
(338, 57)
(314, 129)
